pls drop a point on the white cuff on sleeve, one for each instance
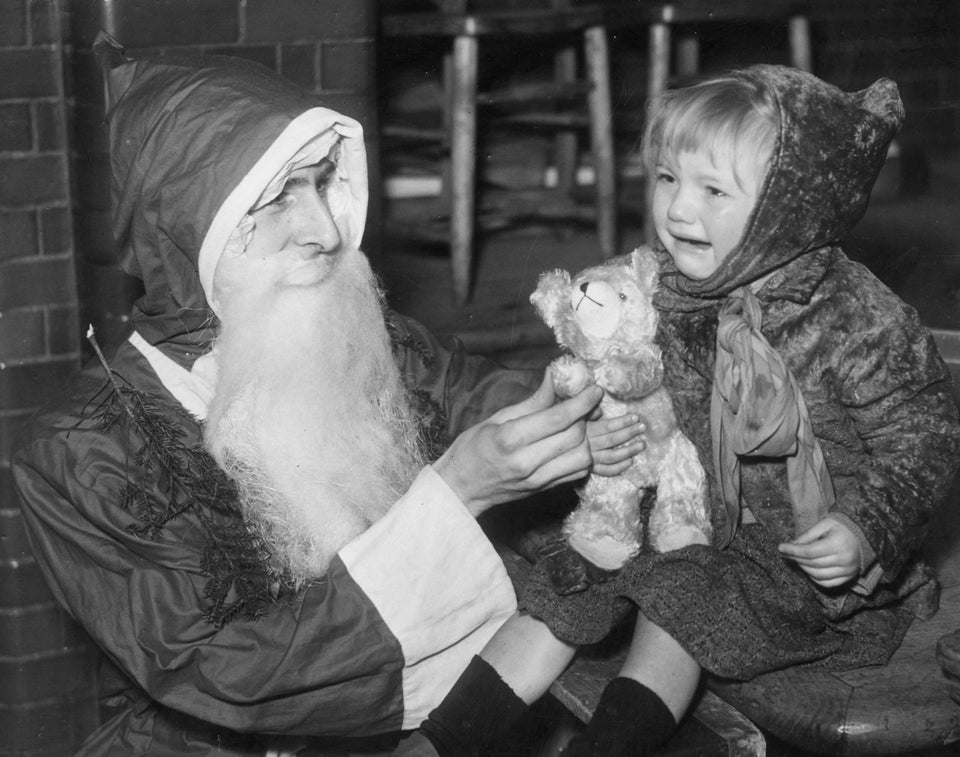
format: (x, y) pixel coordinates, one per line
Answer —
(438, 584)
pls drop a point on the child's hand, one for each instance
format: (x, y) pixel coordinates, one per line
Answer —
(828, 552)
(614, 442)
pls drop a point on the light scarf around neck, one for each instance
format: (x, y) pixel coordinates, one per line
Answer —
(757, 410)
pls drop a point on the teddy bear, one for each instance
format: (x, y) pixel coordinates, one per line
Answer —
(605, 320)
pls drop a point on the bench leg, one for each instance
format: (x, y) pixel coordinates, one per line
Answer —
(601, 127)
(800, 54)
(658, 76)
(565, 143)
(464, 162)
(688, 57)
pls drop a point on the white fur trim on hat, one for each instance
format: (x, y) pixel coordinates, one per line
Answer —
(307, 137)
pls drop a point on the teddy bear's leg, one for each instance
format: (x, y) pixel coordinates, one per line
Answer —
(680, 516)
(605, 527)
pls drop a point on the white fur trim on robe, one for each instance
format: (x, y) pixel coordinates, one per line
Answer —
(437, 583)
(191, 389)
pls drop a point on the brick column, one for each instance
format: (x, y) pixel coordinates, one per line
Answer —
(46, 663)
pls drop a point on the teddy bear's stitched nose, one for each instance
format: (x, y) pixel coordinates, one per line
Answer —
(583, 286)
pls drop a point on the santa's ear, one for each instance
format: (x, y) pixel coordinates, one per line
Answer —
(551, 294)
(646, 269)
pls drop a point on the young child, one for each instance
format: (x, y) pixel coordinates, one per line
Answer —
(818, 403)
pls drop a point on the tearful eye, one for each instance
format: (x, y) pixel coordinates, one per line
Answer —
(275, 204)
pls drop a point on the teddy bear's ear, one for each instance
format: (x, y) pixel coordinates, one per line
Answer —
(551, 294)
(646, 269)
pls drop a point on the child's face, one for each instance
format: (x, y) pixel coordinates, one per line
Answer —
(700, 209)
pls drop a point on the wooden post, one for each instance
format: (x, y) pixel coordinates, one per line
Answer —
(601, 127)
(658, 77)
(463, 168)
(800, 53)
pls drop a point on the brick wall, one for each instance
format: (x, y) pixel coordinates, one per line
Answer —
(46, 665)
(55, 241)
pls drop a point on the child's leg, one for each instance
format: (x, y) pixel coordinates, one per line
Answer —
(515, 668)
(658, 662)
(639, 709)
(527, 656)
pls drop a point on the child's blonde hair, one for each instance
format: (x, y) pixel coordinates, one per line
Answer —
(728, 115)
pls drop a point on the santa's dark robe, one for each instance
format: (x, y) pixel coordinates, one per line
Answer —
(202, 660)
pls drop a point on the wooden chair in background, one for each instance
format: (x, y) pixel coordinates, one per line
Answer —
(576, 31)
(555, 105)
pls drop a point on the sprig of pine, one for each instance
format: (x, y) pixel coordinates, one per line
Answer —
(241, 581)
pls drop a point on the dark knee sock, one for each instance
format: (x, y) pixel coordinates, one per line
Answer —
(479, 709)
(630, 720)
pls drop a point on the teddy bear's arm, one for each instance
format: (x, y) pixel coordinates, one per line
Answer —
(570, 375)
(633, 377)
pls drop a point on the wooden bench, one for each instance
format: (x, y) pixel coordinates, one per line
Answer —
(899, 708)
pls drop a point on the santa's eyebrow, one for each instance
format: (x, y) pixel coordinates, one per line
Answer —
(296, 181)
(327, 169)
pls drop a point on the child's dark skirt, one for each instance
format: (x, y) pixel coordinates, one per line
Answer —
(739, 611)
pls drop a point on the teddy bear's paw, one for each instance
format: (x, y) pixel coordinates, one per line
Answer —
(605, 552)
(634, 377)
(677, 537)
(613, 377)
(570, 375)
(569, 571)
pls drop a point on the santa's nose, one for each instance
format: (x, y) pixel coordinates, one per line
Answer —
(316, 228)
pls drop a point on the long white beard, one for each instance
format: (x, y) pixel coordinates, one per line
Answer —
(310, 416)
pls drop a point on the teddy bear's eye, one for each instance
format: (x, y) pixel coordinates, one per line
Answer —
(623, 297)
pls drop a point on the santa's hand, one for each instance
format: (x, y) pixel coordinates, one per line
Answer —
(828, 552)
(614, 442)
(524, 448)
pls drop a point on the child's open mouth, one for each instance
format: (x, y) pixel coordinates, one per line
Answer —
(696, 244)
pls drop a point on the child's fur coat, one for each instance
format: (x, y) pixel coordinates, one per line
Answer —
(879, 399)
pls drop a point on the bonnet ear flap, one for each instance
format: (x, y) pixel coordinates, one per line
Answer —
(646, 269)
(551, 294)
(110, 60)
(882, 99)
